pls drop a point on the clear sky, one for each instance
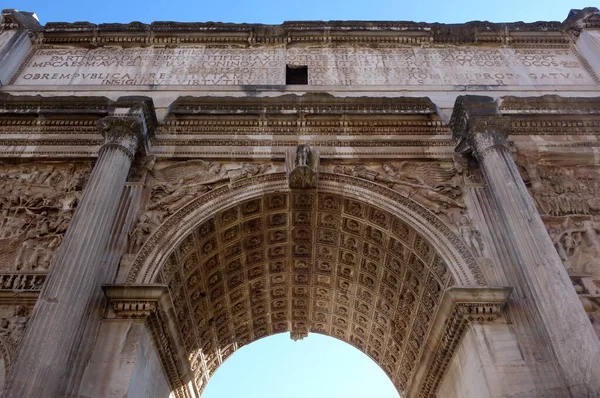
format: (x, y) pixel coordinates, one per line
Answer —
(277, 11)
(317, 367)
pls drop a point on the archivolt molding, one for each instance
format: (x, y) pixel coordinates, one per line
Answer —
(351, 259)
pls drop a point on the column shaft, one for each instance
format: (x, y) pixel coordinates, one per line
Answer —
(54, 332)
(573, 339)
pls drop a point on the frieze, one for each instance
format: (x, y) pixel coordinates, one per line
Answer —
(561, 191)
(291, 143)
(37, 203)
(577, 241)
(22, 281)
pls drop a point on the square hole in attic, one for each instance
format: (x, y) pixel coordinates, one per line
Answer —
(296, 74)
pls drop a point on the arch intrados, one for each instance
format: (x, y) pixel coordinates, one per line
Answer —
(154, 253)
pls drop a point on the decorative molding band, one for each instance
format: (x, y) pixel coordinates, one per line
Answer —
(27, 297)
(310, 103)
(549, 105)
(221, 126)
(459, 308)
(72, 109)
(153, 304)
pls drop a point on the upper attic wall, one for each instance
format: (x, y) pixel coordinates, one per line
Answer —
(351, 57)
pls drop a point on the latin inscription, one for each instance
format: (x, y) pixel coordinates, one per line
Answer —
(155, 67)
(327, 66)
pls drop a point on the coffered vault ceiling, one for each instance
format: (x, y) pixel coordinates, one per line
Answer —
(305, 262)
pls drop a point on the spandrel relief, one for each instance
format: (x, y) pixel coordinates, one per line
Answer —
(568, 199)
(436, 186)
(37, 201)
(173, 185)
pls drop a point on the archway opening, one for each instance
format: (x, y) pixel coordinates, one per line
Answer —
(318, 366)
(306, 262)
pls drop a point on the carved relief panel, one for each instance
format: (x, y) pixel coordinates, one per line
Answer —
(37, 201)
(568, 198)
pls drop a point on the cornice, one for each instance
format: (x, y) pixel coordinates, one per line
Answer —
(549, 104)
(76, 108)
(301, 32)
(510, 115)
(587, 18)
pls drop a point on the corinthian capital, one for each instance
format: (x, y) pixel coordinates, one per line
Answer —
(124, 132)
(477, 126)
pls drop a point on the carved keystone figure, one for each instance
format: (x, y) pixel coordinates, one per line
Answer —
(304, 172)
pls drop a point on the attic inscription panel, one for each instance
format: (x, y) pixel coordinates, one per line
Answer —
(202, 65)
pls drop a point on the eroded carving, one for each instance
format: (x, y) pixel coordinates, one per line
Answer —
(174, 184)
(436, 187)
(37, 201)
(304, 172)
(569, 200)
(12, 329)
(560, 191)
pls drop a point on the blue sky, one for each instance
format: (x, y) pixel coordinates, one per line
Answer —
(317, 367)
(277, 11)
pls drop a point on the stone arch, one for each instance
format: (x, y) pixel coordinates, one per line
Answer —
(176, 228)
(352, 260)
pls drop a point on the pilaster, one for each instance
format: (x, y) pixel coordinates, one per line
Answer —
(538, 273)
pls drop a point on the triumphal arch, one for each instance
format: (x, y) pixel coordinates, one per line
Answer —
(427, 193)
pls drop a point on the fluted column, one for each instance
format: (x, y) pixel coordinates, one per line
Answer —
(55, 330)
(540, 272)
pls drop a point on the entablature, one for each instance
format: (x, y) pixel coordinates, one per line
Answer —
(268, 127)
